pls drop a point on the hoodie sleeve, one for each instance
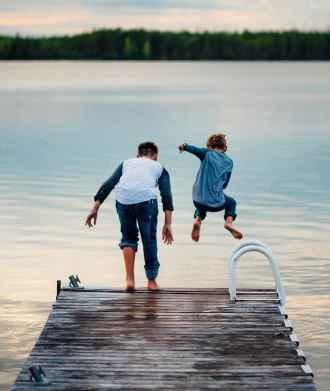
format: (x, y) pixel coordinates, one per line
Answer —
(199, 152)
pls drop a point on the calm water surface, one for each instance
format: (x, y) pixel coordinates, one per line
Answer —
(65, 126)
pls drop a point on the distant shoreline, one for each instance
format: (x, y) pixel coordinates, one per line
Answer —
(141, 45)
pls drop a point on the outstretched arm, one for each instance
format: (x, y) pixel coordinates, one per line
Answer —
(199, 152)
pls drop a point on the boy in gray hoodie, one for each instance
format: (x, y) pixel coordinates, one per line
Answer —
(213, 176)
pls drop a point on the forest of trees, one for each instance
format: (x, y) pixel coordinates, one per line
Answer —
(118, 44)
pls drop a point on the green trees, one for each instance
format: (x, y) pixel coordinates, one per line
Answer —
(140, 44)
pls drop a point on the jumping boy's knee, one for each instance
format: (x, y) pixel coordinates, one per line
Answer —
(230, 202)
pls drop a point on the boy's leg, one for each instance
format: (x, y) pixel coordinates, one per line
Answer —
(128, 241)
(129, 258)
(147, 214)
(199, 215)
(230, 216)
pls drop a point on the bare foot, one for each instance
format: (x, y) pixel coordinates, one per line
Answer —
(233, 231)
(153, 286)
(195, 231)
(130, 286)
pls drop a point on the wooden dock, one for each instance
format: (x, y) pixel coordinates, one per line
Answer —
(178, 339)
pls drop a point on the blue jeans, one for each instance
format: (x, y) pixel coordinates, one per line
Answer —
(145, 214)
(229, 206)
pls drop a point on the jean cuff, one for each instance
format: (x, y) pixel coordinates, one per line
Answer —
(199, 213)
(134, 246)
(152, 273)
(234, 215)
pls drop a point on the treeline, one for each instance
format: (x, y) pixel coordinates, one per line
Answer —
(120, 44)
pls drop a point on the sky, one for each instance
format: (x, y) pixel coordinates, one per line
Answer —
(61, 17)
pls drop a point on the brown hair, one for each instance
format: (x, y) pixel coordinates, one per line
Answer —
(217, 140)
(147, 148)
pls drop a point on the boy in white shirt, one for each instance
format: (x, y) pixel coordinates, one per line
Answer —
(136, 202)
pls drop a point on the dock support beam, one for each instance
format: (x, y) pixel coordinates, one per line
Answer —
(58, 288)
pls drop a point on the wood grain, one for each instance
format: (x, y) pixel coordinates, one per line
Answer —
(178, 339)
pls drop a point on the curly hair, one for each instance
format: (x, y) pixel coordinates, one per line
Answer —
(217, 140)
(147, 148)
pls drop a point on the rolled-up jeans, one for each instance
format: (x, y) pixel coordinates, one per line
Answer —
(229, 206)
(144, 214)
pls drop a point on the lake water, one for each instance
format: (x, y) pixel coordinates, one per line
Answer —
(65, 126)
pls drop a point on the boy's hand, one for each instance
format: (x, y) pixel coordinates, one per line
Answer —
(167, 234)
(92, 215)
(181, 147)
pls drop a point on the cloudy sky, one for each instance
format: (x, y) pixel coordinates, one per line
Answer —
(57, 17)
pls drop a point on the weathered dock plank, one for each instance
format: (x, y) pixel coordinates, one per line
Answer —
(178, 339)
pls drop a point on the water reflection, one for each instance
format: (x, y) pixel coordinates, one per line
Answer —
(66, 126)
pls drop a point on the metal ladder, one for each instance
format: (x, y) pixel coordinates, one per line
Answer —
(237, 252)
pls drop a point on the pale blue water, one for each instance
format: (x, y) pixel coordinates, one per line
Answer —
(65, 126)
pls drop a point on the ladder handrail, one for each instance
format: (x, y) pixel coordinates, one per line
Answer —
(247, 243)
(259, 247)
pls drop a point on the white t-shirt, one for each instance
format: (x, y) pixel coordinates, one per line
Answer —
(138, 181)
